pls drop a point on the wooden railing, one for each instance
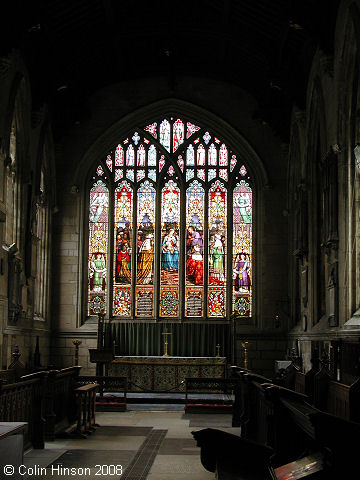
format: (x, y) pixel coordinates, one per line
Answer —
(45, 400)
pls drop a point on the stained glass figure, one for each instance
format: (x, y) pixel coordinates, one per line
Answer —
(242, 249)
(232, 163)
(136, 138)
(181, 162)
(200, 155)
(165, 134)
(171, 171)
(161, 162)
(141, 156)
(223, 156)
(170, 220)
(201, 174)
(123, 248)
(98, 245)
(178, 134)
(217, 246)
(212, 155)
(100, 171)
(152, 156)
(195, 196)
(118, 174)
(189, 174)
(152, 129)
(211, 174)
(191, 128)
(243, 171)
(130, 174)
(145, 249)
(223, 173)
(190, 156)
(109, 162)
(207, 138)
(130, 155)
(119, 156)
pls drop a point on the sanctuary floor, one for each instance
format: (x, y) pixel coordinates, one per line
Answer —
(151, 444)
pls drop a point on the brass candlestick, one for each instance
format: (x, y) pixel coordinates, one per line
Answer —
(77, 343)
(166, 333)
(218, 350)
(245, 345)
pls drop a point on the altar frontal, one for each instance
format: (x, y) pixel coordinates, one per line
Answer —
(164, 374)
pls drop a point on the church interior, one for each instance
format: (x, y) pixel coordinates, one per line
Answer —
(179, 194)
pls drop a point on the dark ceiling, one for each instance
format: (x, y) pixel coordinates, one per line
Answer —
(263, 46)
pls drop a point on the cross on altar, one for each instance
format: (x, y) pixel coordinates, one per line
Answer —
(166, 333)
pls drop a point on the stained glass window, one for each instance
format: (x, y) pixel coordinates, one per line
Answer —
(161, 246)
(145, 244)
(123, 248)
(242, 249)
(170, 223)
(217, 249)
(194, 292)
(98, 247)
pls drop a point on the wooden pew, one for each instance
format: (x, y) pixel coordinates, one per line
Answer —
(85, 401)
(216, 385)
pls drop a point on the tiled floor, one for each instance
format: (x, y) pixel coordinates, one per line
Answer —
(133, 445)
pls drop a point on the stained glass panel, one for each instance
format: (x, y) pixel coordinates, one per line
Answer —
(145, 249)
(130, 155)
(119, 156)
(152, 174)
(212, 155)
(141, 156)
(98, 244)
(165, 134)
(190, 156)
(100, 171)
(189, 174)
(109, 162)
(223, 156)
(242, 249)
(201, 174)
(207, 138)
(161, 162)
(118, 174)
(181, 163)
(178, 134)
(130, 174)
(152, 129)
(232, 163)
(243, 171)
(170, 221)
(195, 196)
(223, 173)
(123, 249)
(136, 138)
(152, 156)
(140, 174)
(191, 128)
(217, 248)
(200, 155)
(211, 174)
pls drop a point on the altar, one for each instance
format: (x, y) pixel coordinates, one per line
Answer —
(161, 373)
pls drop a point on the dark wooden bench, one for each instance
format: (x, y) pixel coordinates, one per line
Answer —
(211, 385)
(112, 391)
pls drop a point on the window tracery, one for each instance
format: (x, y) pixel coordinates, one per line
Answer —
(182, 226)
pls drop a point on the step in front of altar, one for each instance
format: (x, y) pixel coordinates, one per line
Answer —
(164, 374)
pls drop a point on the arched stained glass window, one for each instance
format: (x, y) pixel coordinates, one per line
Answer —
(172, 206)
